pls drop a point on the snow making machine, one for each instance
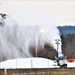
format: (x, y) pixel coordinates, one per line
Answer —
(60, 59)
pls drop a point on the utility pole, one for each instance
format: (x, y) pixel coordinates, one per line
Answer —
(36, 46)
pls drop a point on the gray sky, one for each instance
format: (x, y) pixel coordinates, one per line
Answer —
(40, 12)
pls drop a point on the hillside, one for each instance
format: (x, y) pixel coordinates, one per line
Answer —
(66, 30)
(68, 40)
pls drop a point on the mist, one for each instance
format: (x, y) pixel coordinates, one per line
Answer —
(19, 41)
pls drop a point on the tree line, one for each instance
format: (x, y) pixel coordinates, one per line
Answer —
(68, 45)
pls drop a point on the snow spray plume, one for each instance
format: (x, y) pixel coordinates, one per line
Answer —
(16, 40)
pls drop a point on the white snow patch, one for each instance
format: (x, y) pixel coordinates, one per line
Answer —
(71, 64)
(28, 63)
(24, 63)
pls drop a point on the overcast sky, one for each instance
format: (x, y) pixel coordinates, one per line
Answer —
(40, 12)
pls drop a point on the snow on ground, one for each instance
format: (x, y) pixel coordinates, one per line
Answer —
(31, 63)
(71, 64)
(27, 63)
